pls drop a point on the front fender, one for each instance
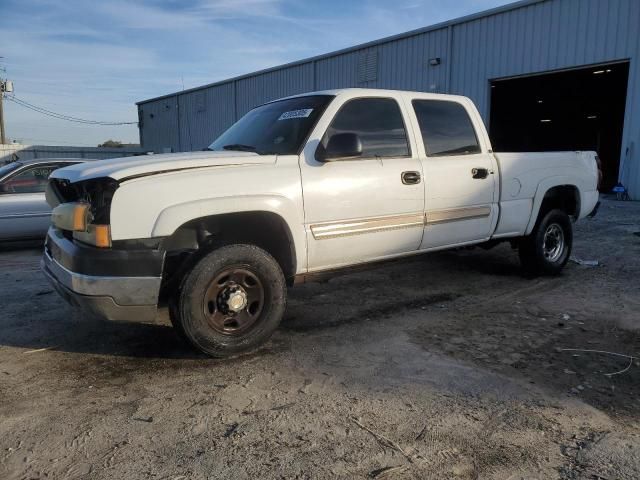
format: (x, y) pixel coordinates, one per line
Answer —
(171, 218)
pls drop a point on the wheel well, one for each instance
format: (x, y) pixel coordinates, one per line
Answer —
(562, 197)
(195, 238)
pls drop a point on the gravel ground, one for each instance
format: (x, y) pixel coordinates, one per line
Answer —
(449, 365)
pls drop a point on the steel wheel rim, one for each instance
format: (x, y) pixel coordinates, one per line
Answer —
(553, 243)
(233, 300)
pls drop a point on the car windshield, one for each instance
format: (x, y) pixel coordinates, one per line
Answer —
(9, 167)
(278, 127)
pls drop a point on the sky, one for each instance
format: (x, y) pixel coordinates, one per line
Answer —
(95, 59)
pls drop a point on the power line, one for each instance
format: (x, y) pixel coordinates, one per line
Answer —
(61, 116)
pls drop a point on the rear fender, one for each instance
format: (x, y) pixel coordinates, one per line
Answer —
(543, 187)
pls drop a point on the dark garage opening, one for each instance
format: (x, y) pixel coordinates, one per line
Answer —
(570, 110)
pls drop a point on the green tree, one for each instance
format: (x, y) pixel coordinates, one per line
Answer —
(111, 144)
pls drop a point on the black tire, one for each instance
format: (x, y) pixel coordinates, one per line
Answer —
(203, 313)
(540, 258)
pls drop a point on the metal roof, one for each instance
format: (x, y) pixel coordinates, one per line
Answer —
(411, 33)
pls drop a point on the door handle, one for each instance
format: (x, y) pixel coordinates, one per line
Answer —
(480, 173)
(410, 178)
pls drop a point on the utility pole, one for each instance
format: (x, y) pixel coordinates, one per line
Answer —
(5, 86)
(3, 139)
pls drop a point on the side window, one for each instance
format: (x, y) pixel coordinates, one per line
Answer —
(30, 180)
(446, 128)
(379, 124)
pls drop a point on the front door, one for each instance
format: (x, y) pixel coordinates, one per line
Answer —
(369, 207)
(460, 174)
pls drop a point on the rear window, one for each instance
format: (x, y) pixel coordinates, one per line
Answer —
(446, 128)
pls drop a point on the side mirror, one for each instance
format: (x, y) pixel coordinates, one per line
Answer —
(340, 145)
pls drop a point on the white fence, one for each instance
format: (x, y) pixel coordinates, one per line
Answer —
(14, 151)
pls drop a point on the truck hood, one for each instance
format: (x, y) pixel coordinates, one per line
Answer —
(127, 167)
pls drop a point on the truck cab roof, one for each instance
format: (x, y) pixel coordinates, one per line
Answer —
(377, 92)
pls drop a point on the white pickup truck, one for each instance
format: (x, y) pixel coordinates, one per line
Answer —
(298, 187)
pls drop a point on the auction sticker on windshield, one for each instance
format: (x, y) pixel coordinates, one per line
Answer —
(302, 113)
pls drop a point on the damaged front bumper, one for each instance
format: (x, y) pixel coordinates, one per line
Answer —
(113, 284)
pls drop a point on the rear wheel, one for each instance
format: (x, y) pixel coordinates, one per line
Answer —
(231, 301)
(546, 250)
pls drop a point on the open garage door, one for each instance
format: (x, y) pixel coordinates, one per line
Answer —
(580, 109)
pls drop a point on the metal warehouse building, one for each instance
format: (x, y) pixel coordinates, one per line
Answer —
(545, 75)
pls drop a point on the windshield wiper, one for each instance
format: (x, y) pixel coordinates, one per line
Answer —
(240, 147)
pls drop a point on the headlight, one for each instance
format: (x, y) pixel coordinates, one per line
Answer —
(86, 209)
(77, 217)
(73, 216)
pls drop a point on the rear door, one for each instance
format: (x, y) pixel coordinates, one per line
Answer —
(365, 208)
(459, 171)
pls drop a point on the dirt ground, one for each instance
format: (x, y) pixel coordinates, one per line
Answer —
(449, 365)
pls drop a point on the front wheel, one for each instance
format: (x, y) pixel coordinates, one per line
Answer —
(231, 301)
(546, 250)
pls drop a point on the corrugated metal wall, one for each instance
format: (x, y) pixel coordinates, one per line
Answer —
(261, 88)
(542, 37)
(534, 37)
(204, 114)
(9, 152)
(158, 123)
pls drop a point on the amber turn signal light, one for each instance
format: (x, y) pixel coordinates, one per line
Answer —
(102, 236)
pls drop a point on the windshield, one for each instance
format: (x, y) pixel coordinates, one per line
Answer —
(9, 167)
(279, 127)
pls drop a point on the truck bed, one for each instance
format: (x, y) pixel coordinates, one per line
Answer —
(522, 174)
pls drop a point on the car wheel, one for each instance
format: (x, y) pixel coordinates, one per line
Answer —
(231, 301)
(546, 250)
